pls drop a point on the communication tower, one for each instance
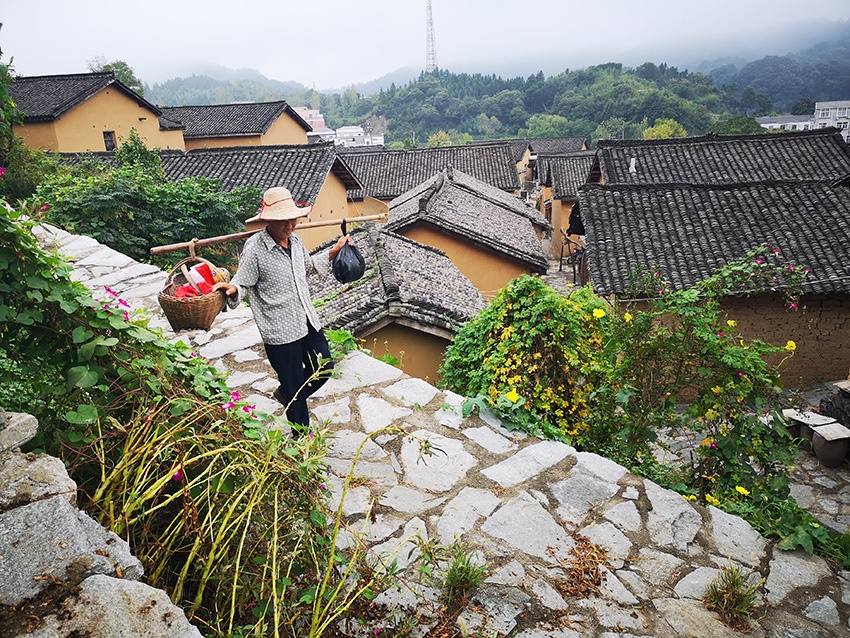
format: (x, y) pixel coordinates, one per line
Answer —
(430, 44)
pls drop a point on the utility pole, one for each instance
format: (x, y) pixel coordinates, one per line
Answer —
(430, 44)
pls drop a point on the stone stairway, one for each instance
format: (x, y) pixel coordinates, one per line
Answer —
(523, 507)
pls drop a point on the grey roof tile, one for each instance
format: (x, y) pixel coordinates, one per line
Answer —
(388, 174)
(230, 120)
(44, 98)
(565, 173)
(726, 159)
(459, 204)
(690, 231)
(404, 280)
(301, 168)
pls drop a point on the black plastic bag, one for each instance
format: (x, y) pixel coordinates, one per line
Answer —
(348, 265)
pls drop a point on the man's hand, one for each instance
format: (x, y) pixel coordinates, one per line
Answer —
(229, 289)
(342, 241)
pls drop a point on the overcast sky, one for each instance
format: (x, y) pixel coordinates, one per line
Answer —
(336, 43)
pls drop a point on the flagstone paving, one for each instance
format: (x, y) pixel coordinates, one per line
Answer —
(520, 506)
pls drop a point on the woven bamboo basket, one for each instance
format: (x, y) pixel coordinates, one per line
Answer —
(191, 312)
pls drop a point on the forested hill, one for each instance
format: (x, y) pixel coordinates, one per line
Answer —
(607, 100)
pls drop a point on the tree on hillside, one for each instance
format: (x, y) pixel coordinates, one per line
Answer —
(123, 72)
(545, 125)
(738, 125)
(663, 129)
(803, 106)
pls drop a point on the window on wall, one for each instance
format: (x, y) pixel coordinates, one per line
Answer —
(109, 140)
(824, 112)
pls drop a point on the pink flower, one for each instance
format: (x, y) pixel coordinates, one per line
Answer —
(248, 408)
(109, 291)
(45, 207)
(719, 334)
(235, 396)
(126, 316)
(228, 405)
(2, 171)
(791, 268)
(740, 374)
(759, 260)
(121, 302)
(776, 251)
(793, 305)
(713, 446)
(177, 476)
(20, 255)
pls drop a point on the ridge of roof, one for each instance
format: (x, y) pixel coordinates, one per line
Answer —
(716, 137)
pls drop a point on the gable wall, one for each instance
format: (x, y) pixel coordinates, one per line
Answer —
(488, 271)
(285, 130)
(330, 204)
(81, 129)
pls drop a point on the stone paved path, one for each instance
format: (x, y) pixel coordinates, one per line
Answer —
(522, 506)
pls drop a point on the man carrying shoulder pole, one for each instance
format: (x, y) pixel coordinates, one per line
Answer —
(272, 276)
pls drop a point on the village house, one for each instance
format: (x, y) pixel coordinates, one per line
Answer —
(491, 236)
(525, 152)
(313, 173)
(386, 173)
(242, 124)
(560, 177)
(87, 112)
(689, 206)
(409, 305)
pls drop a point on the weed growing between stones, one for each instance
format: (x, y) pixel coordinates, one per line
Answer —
(734, 596)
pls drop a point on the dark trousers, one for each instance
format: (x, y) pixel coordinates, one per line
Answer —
(296, 364)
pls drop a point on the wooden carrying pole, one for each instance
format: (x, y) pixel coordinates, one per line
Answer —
(199, 243)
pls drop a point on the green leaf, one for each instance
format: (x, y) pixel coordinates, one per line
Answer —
(84, 414)
(81, 334)
(81, 377)
(181, 406)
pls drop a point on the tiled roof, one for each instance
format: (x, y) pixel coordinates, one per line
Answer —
(404, 280)
(726, 159)
(518, 146)
(479, 213)
(690, 231)
(557, 145)
(565, 173)
(386, 175)
(538, 145)
(44, 98)
(230, 120)
(301, 168)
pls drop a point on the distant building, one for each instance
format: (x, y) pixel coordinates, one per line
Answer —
(787, 122)
(357, 136)
(835, 114)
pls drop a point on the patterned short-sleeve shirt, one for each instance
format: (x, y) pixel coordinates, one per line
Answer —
(275, 285)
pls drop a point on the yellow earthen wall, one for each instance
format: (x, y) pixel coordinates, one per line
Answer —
(486, 270)
(420, 353)
(81, 129)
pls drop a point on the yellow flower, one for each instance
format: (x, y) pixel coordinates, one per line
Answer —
(717, 389)
(710, 414)
(790, 346)
(691, 497)
(712, 501)
(598, 313)
(731, 323)
(627, 317)
(742, 490)
(513, 397)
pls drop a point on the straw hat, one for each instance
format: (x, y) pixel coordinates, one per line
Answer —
(279, 205)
